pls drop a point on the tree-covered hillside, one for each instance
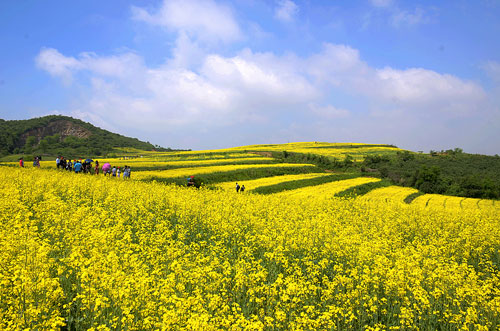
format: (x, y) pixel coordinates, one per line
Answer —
(51, 135)
(450, 172)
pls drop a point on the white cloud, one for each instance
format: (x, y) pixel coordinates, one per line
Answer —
(406, 18)
(56, 64)
(203, 20)
(262, 91)
(186, 53)
(417, 86)
(225, 89)
(286, 10)
(114, 66)
(336, 64)
(342, 67)
(268, 75)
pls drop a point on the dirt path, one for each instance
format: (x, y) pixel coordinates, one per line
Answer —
(266, 154)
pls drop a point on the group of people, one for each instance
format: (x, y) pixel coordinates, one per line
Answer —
(76, 165)
(36, 162)
(115, 171)
(84, 166)
(240, 188)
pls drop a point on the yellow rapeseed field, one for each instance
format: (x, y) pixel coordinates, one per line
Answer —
(336, 150)
(180, 163)
(184, 172)
(97, 253)
(438, 201)
(326, 190)
(389, 193)
(255, 183)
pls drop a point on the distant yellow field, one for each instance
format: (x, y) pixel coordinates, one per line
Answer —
(336, 150)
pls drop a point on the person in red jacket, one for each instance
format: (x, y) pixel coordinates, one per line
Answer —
(21, 162)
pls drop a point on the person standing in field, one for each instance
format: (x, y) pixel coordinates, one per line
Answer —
(62, 163)
(118, 172)
(242, 189)
(21, 162)
(113, 171)
(58, 162)
(128, 171)
(237, 187)
(84, 166)
(96, 167)
(78, 167)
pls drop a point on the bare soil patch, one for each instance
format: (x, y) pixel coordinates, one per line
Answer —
(266, 154)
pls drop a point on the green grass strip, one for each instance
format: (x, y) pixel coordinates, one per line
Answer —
(237, 175)
(292, 185)
(363, 189)
(413, 196)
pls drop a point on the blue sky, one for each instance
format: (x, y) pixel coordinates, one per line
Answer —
(211, 74)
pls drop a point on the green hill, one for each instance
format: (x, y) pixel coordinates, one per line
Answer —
(55, 134)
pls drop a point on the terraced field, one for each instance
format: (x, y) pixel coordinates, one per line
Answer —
(335, 150)
(267, 181)
(327, 190)
(185, 172)
(263, 174)
(80, 251)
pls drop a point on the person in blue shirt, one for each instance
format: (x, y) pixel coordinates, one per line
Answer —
(77, 166)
